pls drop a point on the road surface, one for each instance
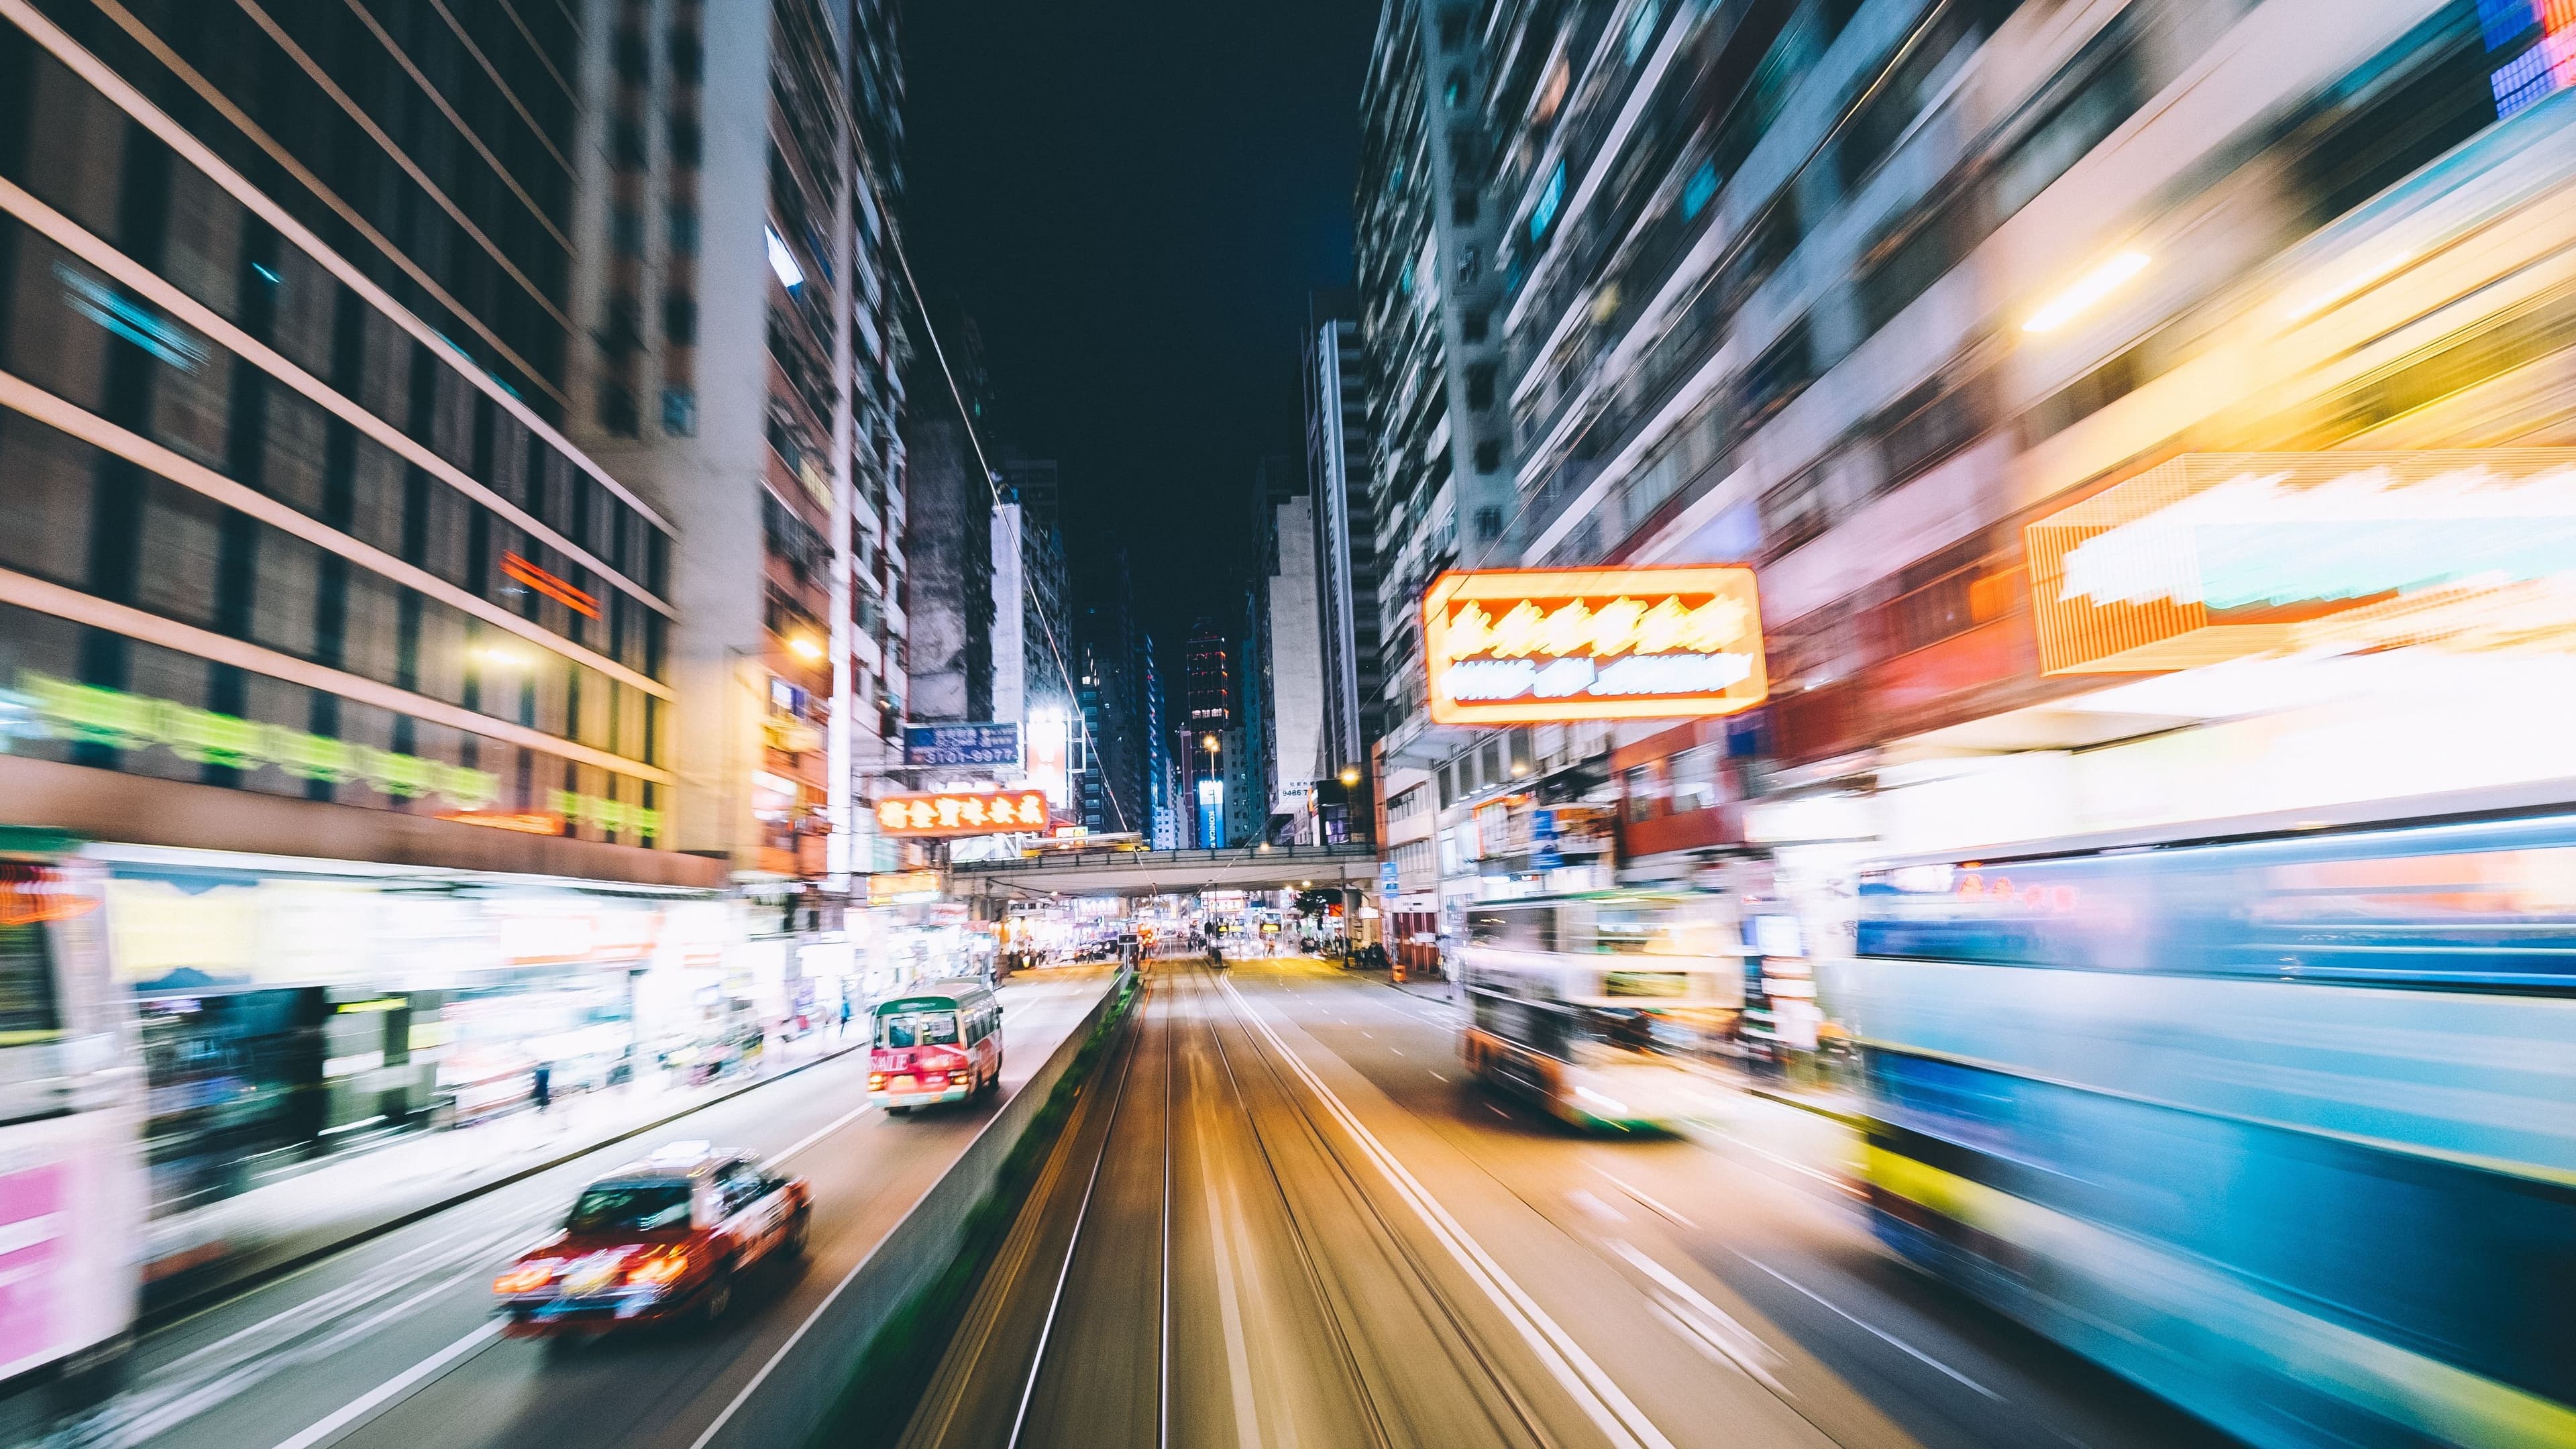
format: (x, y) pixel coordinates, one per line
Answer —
(393, 1343)
(1292, 1222)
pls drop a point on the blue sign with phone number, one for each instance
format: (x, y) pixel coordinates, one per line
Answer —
(961, 744)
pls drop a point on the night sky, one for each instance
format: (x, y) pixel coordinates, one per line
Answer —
(1133, 200)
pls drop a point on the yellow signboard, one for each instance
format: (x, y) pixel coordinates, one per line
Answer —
(1530, 646)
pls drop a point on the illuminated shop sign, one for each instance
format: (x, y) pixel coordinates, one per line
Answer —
(961, 744)
(903, 887)
(2216, 556)
(1529, 646)
(957, 812)
(519, 570)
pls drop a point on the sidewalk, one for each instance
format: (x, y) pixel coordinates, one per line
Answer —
(194, 1255)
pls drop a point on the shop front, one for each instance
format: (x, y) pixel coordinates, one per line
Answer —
(291, 1011)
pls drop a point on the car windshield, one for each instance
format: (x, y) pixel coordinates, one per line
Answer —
(638, 1208)
(917, 1028)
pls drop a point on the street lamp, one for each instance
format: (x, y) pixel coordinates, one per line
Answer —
(805, 647)
(1350, 775)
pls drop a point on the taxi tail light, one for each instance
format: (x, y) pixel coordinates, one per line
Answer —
(959, 1079)
(527, 1278)
(659, 1270)
(876, 1079)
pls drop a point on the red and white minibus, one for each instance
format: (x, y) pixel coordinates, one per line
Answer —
(940, 1041)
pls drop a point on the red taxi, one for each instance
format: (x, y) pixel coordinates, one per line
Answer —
(941, 1042)
(655, 1241)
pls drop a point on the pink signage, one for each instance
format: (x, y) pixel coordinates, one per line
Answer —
(32, 1222)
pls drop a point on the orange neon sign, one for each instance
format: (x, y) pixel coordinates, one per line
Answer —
(963, 812)
(1529, 646)
(31, 895)
(521, 571)
(537, 822)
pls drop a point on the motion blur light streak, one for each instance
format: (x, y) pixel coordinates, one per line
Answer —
(2086, 290)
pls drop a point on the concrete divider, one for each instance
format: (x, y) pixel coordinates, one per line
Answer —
(787, 1400)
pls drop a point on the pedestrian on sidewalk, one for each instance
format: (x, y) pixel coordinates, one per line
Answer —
(845, 1018)
(541, 1089)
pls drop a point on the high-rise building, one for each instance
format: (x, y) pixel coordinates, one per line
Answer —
(350, 675)
(1429, 327)
(1031, 595)
(1162, 768)
(1287, 654)
(1865, 294)
(736, 271)
(1113, 655)
(1340, 477)
(1208, 694)
(290, 513)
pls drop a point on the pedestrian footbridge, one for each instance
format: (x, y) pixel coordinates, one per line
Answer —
(1167, 872)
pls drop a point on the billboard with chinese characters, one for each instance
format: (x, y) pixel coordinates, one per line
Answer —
(961, 744)
(963, 812)
(1530, 646)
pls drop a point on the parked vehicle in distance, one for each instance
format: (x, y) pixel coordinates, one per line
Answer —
(1590, 1006)
(939, 1042)
(655, 1241)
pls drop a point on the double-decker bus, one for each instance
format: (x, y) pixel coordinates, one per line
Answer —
(72, 1186)
(2278, 1123)
(1595, 1007)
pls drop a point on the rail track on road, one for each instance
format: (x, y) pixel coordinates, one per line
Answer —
(1206, 1261)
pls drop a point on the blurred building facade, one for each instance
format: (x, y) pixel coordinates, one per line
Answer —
(359, 677)
(734, 264)
(1861, 291)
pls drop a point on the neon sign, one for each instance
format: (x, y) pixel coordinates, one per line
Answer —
(955, 812)
(519, 570)
(1521, 646)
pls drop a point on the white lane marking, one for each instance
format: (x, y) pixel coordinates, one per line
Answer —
(734, 1406)
(1497, 1111)
(1891, 1340)
(1238, 1354)
(1827, 1178)
(810, 1138)
(1595, 1206)
(1593, 1391)
(1708, 1322)
(1631, 1190)
(395, 1387)
(1435, 1076)
(1399, 1051)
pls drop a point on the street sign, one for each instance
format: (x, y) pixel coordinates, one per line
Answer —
(1386, 877)
(961, 744)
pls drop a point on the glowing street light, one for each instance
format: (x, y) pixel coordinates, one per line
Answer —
(1350, 775)
(806, 647)
(2088, 289)
(501, 658)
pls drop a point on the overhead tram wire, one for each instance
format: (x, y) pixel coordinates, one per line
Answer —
(921, 305)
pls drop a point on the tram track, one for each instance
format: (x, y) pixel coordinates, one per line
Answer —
(1275, 1302)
